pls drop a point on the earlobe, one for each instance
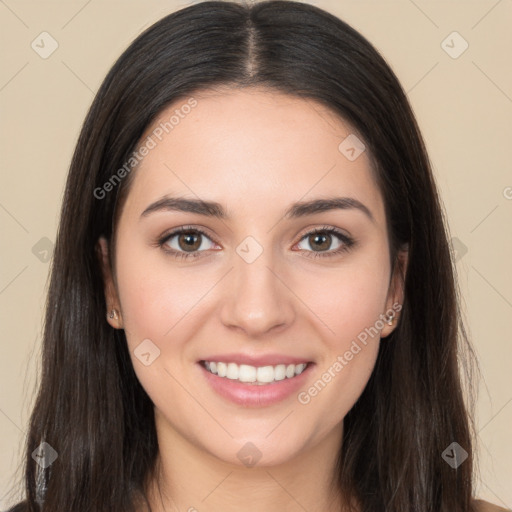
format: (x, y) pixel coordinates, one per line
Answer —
(390, 319)
(113, 313)
(396, 293)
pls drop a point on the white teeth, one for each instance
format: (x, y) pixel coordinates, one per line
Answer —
(280, 372)
(222, 369)
(246, 373)
(290, 371)
(232, 371)
(259, 375)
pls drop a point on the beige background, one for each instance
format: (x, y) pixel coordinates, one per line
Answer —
(463, 105)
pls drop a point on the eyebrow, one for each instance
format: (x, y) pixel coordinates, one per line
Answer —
(296, 210)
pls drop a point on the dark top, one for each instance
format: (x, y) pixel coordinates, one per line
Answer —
(20, 507)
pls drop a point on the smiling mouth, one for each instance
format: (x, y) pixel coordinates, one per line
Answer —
(255, 375)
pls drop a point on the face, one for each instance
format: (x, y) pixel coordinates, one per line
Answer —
(271, 275)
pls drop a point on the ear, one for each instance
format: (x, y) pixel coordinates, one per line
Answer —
(113, 313)
(395, 296)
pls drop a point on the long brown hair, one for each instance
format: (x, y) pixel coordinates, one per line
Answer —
(92, 410)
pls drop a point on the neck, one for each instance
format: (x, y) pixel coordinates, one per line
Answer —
(189, 479)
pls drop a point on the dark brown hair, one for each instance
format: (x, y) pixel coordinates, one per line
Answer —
(90, 406)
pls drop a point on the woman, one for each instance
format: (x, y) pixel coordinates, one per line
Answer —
(252, 301)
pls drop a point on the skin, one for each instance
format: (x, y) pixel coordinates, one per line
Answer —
(255, 152)
(485, 506)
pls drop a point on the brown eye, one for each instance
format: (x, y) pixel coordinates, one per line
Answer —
(325, 242)
(186, 241)
(319, 241)
(322, 241)
(189, 241)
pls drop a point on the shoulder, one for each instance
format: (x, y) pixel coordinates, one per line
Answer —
(20, 507)
(485, 506)
(478, 506)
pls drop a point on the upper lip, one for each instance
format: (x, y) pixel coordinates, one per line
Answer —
(253, 360)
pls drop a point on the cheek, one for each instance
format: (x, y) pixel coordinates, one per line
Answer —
(154, 297)
(350, 304)
(159, 305)
(350, 299)
(349, 355)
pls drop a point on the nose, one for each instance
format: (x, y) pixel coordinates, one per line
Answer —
(257, 300)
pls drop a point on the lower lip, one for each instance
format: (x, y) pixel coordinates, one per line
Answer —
(254, 395)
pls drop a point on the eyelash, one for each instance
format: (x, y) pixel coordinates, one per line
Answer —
(347, 242)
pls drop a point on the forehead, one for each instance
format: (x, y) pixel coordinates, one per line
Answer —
(251, 149)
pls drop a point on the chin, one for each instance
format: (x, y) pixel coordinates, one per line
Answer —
(258, 453)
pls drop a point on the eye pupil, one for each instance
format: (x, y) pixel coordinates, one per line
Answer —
(189, 243)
